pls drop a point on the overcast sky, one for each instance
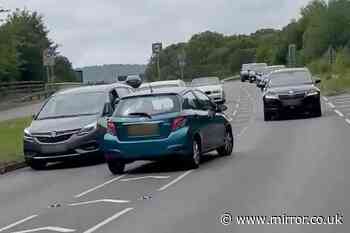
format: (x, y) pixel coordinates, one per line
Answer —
(94, 32)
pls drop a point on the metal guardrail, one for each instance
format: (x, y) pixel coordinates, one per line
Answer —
(32, 90)
(20, 88)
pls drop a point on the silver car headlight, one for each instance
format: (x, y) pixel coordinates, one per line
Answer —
(271, 95)
(27, 135)
(312, 92)
(88, 129)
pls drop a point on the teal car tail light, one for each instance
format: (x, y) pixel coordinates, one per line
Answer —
(111, 128)
(178, 123)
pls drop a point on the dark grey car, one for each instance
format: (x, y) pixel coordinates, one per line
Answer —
(66, 126)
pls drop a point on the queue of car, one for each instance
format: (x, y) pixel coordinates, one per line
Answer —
(118, 123)
(288, 90)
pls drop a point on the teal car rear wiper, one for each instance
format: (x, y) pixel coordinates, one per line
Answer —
(140, 114)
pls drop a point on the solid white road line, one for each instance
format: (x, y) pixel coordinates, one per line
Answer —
(339, 113)
(331, 105)
(98, 186)
(57, 229)
(325, 98)
(175, 180)
(18, 222)
(108, 220)
(347, 121)
(99, 201)
(146, 177)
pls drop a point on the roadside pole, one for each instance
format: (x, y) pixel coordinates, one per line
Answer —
(156, 49)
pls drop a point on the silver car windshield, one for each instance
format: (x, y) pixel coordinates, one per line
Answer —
(66, 105)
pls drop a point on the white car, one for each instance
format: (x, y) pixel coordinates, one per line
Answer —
(162, 84)
(212, 87)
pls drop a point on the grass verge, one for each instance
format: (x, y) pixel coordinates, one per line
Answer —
(11, 138)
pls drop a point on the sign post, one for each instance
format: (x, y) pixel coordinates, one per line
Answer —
(181, 57)
(156, 49)
(49, 63)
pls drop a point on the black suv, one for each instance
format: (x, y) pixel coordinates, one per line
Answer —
(291, 90)
(66, 126)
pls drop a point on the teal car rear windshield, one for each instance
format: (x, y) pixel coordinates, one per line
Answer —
(147, 106)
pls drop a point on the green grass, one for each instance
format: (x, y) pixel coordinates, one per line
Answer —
(11, 139)
(335, 84)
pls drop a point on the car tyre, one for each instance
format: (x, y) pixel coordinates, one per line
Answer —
(36, 164)
(317, 111)
(267, 116)
(196, 155)
(116, 167)
(227, 148)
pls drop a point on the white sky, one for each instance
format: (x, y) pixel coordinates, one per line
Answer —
(93, 32)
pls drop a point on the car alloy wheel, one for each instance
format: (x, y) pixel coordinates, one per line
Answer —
(227, 148)
(228, 143)
(195, 158)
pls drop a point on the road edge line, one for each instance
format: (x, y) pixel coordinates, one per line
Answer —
(18, 222)
(175, 180)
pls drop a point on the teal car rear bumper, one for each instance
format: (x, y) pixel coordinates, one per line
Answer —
(176, 145)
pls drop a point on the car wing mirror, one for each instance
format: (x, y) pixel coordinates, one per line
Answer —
(107, 110)
(317, 81)
(221, 108)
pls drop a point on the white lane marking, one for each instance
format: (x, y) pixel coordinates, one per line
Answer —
(234, 113)
(145, 177)
(347, 121)
(99, 201)
(237, 105)
(339, 113)
(331, 105)
(57, 229)
(108, 220)
(175, 180)
(242, 132)
(98, 186)
(18, 222)
(325, 98)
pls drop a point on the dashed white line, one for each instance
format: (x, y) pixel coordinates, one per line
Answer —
(108, 220)
(325, 98)
(100, 201)
(237, 105)
(347, 121)
(98, 186)
(49, 228)
(331, 105)
(18, 222)
(145, 177)
(339, 113)
(234, 113)
(175, 180)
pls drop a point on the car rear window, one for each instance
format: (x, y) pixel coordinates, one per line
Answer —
(148, 105)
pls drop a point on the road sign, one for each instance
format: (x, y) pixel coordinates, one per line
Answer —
(292, 55)
(48, 57)
(157, 47)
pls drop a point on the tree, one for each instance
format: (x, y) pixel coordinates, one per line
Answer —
(30, 37)
(63, 70)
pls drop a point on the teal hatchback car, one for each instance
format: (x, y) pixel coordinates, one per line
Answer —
(167, 123)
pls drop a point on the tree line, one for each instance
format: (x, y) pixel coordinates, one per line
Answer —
(322, 27)
(23, 38)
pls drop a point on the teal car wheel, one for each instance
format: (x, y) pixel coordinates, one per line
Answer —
(195, 157)
(227, 148)
(116, 167)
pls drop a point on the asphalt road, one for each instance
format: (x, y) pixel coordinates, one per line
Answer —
(296, 167)
(19, 112)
